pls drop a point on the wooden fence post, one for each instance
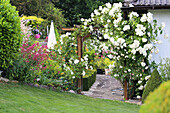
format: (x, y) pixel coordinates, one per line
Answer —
(125, 90)
(79, 48)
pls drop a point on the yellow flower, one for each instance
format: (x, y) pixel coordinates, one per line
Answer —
(60, 48)
(44, 49)
(113, 17)
(49, 59)
(62, 73)
(87, 49)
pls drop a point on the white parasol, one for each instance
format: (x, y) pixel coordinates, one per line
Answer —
(51, 37)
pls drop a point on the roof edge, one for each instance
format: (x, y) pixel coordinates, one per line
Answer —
(144, 7)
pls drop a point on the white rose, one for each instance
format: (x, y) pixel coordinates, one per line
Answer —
(130, 5)
(120, 40)
(115, 75)
(147, 77)
(139, 82)
(138, 97)
(108, 5)
(126, 27)
(76, 61)
(110, 56)
(143, 64)
(85, 23)
(108, 21)
(100, 8)
(72, 73)
(141, 88)
(82, 19)
(91, 67)
(146, 67)
(163, 25)
(92, 14)
(143, 18)
(133, 51)
(150, 17)
(150, 57)
(84, 73)
(149, 34)
(144, 40)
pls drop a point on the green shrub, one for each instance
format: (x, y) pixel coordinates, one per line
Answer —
(158, 101)
(10, 33)
(164, 68)
(88, 80)
(154, 81)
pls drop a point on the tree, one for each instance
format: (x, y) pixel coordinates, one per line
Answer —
(40, 8)
(74, 10)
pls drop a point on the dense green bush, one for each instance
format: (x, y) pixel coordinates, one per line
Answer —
(154, 81)
(88, 80)
(158, 101)
(10, 33)
(164, 68)
(41, 8)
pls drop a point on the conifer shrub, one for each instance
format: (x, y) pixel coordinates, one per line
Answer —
(10, 33)
(158, 101)
(154, 81)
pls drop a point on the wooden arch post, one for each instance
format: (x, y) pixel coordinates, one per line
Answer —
(79, 50)
(80, 40)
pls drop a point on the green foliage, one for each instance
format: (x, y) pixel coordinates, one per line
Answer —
(40, 8)
(108, 62)
(154, 81)
(49, 12)
(158, 101)
(10, 33)
(74, 10)
(21, 70)
(164, 68)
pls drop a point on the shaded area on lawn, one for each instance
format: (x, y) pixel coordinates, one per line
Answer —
(21, 98)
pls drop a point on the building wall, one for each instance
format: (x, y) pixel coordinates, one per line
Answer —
(164, 48)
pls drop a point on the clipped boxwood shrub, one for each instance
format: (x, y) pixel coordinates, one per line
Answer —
(158, 101)
(152, 84)
(89, 80)
(10, 33)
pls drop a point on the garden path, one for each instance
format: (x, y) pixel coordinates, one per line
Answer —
(107, 87)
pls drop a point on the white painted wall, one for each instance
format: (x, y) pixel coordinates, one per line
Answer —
(164, 48)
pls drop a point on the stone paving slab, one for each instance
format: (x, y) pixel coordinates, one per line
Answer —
(107, 87)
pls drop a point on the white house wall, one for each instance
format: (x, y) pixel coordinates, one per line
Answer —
(164, 48)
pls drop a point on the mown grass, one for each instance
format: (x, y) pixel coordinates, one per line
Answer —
(18, 98)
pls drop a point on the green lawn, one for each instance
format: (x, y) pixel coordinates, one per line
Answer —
(16, 98)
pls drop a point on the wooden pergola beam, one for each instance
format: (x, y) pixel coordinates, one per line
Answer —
(68, 29)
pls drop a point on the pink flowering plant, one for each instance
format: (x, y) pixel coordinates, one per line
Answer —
(37, 64)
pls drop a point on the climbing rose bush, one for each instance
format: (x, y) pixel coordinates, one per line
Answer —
(131, 42)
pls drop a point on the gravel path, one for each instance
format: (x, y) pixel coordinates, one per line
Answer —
(107, 87)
